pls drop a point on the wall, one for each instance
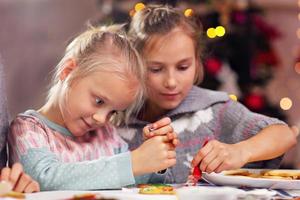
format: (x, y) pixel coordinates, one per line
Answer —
(33, 35)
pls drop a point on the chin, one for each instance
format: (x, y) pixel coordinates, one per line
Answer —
(170, 106)
(77, 132)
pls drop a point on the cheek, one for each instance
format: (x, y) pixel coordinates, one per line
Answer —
(153, 81)
(80, 108)
(192, 74)
(152, 88)
(188, 83)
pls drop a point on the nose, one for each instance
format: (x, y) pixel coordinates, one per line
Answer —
(100, 118)
(170, 81)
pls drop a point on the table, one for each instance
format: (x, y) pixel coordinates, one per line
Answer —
(203, 192)
(118, 194)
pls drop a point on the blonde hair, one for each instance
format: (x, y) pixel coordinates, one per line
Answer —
(104, 48)
(156, 20)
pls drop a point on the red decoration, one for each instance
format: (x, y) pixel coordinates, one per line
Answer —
(255, 102)
(269, 31)
(267, 57)
(197, 173)
(213, 66)
(239, 17)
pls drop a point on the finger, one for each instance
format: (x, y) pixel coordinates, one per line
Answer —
(171, 154)
(147, 133)
(5, 174)
(164, 138)
(213, 165)
(176, 142)
(212, 155)
(16, 172)
(165, 130)
(295, 130)
(171, 135)
(201, 154)
(33, 186)
(170, 162)
(221, 167)
(170, 146)
(22, 183)
(161, 123)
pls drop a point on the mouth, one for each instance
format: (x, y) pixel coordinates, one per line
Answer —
(87, 124)
(170, 94)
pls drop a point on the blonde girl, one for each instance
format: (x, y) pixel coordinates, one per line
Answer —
(170, 46)
(69, 144)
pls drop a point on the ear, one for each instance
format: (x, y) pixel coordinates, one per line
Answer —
(69, 66)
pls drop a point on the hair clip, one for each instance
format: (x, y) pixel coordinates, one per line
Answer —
(139, 7)
(188, 12)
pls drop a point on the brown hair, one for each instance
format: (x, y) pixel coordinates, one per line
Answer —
(156, 20)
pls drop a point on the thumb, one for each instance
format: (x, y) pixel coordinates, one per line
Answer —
(295, 130)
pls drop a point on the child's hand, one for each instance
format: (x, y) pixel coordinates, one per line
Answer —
(153, 155)
(295, 130)
(161, 127)
(216, 157)
(20, 181)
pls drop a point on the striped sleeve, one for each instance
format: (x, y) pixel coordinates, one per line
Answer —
(29, 145)
(24, 134)
(237, 123)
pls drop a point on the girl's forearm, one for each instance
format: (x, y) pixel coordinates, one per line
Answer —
(269, 143)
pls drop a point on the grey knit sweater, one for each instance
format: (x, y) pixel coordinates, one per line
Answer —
(3, 119)
(204, 113)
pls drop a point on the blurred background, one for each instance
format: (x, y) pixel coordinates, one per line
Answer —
(252, 48)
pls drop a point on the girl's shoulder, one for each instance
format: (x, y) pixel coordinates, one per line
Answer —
(208, 96)
(26, 121)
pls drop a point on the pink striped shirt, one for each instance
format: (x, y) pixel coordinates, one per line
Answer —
(32, 131)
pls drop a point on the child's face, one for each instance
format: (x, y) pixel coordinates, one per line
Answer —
(171, 68)
(93, 99)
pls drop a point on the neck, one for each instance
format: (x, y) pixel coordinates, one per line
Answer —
(152, 112)
(52, 112)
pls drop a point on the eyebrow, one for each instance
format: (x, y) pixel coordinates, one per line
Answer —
(154, 63)
(185, 60)
(180, 61)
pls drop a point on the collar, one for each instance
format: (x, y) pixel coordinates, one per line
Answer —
(47, 122)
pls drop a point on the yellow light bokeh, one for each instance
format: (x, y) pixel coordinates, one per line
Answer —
(220, 31)
(211, 33)
(139, 6)
(188, 12)
(297, 67)
(233, 97)
(286, 103)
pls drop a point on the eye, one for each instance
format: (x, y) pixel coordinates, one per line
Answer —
(183, 67)
(98, 101)
(154, 69)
